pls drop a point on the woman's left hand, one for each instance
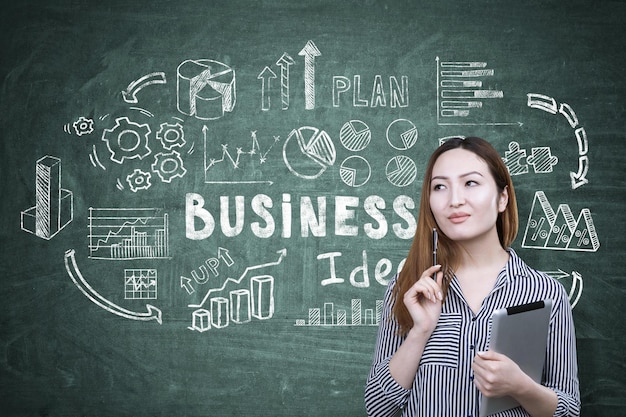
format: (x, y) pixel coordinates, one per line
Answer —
(496, 375)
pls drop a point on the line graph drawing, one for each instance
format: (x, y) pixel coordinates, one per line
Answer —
(234, 162)
(140, 284)
(128, 233)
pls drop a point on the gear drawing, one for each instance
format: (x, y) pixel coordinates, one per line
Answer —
(127, 140)
(171, 135)
(168, 166)
(83, 126)
(139, 180)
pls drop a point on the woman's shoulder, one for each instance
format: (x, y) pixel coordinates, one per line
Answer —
(519, 269)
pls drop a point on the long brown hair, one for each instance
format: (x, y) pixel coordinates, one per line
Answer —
(419, 257)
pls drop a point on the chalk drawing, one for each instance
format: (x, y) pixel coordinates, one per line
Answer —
(54, 206)
(308, 152)
(82, 126)
(266, 76)
(171, 135)
(128, 233)
(329, 316)
(517, 161)
(401, 171)
(355, 171)
(140, 284)
(138, 180)
(549, 105)
(130, 94)
(560, 229)
(208, 269)
(462, 93)
(309, 52)
(401, 134)
(227, 158)
(152, 313)
(284, 63)
(95, 161)
(575, 284)
(254, 299)
(206, 89)
(168, 165)
(127, 140)
(355, 135)
(396, 95)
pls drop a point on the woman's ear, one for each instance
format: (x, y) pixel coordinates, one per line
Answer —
(503, 200)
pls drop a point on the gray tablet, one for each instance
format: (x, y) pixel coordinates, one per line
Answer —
(521, 333)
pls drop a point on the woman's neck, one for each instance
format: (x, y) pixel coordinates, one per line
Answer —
(486, 253)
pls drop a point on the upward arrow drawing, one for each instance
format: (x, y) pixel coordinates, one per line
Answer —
(309, 52)
(282, 253)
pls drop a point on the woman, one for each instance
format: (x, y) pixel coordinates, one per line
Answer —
(432, 356)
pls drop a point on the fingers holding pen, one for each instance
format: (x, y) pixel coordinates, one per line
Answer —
(426, 286)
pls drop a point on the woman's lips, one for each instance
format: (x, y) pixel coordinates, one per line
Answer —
(458, 217)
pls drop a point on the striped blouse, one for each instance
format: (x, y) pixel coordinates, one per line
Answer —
(443, 384)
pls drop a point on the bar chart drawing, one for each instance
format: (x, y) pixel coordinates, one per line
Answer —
(330, 316)
(54, 206)
(241, 306)
(463, 93)
(249, 299)
(128, 233)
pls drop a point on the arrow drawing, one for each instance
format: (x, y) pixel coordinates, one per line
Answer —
(550, 105)
(153, 313)
(265, 76)
(309, 52)
(130, 94)
(284, 63)
(576, 288)
(282, 253)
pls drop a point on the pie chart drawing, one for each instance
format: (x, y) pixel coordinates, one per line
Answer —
(355, 135)
(401, 171)
(308, 152)
(402, 134)
(205, 88)
(355, 171)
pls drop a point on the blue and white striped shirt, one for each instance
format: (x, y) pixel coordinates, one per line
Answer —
(443, 385)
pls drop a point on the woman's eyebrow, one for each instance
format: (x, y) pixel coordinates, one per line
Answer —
(467, 174)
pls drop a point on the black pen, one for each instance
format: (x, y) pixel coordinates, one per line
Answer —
(435, 251)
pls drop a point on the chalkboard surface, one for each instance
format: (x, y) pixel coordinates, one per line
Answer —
(204, 201)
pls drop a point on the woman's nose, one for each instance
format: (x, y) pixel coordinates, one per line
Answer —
(457, 197)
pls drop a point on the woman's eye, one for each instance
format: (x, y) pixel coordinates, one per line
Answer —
(471, 183)
(438, 187)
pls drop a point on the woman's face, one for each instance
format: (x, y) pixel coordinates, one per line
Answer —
(464, 198)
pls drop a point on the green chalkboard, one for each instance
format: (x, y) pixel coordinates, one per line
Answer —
(204, 201)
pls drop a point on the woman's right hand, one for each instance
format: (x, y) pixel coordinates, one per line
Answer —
(424, 299)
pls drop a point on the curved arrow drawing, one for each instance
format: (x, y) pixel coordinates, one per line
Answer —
(130, 94)
(153, 313)
(549, 104)
(576, 289)
(282, 253)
